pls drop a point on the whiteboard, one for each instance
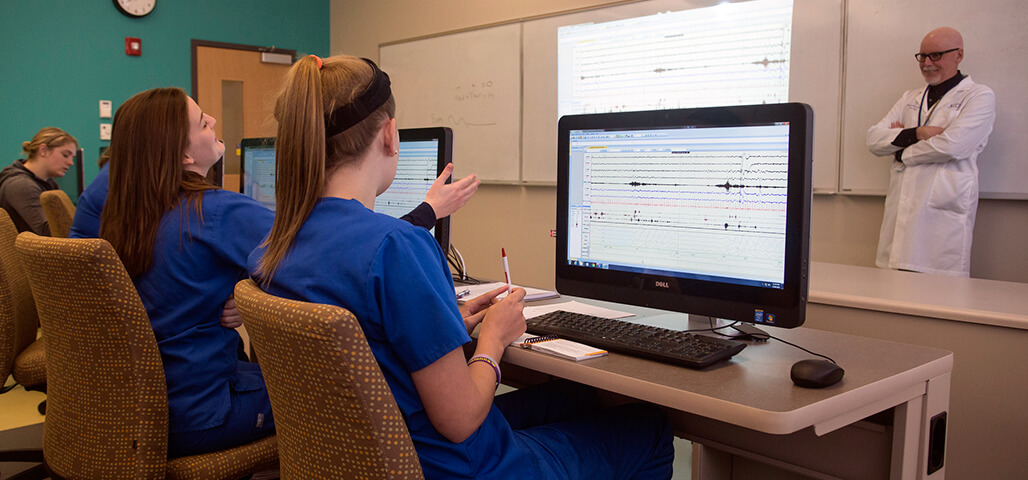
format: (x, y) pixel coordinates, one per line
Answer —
(497, 87)
(470, 82)
(880, 66)
(815, 79)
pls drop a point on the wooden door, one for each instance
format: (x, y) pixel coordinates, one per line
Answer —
(235, 87)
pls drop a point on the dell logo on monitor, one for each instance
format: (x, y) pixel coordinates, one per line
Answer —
(661, 284)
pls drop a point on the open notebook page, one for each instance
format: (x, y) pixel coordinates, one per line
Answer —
(481, 289)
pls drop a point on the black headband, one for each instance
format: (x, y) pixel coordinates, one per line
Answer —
(376, 95)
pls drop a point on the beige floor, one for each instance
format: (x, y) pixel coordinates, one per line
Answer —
(18, 408)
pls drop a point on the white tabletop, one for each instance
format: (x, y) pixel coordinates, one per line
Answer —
(975, 300)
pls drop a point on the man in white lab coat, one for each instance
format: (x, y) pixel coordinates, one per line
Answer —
(934, 134)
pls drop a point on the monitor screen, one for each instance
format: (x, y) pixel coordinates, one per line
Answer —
(704, 211)
(424, 153)
(257, 169)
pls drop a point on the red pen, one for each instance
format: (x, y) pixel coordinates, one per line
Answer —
(506, 268)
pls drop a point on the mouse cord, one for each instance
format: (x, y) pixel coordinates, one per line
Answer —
(826, 357)
(714, 329)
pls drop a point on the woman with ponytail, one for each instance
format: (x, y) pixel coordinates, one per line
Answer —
(336, 151)
(184, 242)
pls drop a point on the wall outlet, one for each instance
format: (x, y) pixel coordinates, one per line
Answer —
(105, 131)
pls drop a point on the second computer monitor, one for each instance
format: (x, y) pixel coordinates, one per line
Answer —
(424, 153)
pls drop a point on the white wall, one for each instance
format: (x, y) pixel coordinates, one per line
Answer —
(844, 227)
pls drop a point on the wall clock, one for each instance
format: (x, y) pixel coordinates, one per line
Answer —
(135, 8)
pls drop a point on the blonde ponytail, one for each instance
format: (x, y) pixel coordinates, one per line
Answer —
(304, 157)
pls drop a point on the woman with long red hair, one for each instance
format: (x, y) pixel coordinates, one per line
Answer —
(184, 242)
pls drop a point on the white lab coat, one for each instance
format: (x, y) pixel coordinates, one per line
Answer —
(933, 195)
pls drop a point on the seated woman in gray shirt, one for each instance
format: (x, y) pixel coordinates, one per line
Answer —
(51, 152)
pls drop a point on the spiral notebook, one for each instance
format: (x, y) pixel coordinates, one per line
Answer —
(558, 347)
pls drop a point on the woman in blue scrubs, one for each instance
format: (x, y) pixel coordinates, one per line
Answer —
(337, 150)
(185, 242)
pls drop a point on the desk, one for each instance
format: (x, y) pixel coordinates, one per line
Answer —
(747, 410)
(983, 322)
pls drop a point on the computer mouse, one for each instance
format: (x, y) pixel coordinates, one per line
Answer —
(815, 373)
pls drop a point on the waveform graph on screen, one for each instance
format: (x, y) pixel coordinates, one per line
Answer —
(415, 172)
(720, 213)
(728, 54)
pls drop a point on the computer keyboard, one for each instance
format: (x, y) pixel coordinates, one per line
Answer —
(668, 346)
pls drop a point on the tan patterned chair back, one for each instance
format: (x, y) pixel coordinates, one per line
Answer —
(107, 413)
(59, 212)
(334, 413)
(18, 319)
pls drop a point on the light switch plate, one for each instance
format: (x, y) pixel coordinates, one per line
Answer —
(105, 131)
(105, 109)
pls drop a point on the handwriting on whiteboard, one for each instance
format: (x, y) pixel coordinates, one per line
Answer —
(473, 92)
(456, 121)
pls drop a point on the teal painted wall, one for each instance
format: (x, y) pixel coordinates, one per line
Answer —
(61, 57)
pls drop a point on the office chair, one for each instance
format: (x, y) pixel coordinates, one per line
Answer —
(334, 413)
(20, 352)
(108, 401)
(59, 212)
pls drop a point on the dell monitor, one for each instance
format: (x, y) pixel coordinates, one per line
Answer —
(704, 211)
(424, 153)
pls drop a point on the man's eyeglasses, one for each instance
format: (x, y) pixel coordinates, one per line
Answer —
(935, 56)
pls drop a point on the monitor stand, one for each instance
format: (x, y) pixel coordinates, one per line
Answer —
(750, 332)
(739, 330)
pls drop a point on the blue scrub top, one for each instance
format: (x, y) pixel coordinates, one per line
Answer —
(86, 223)
(195, 268)
(393, 277)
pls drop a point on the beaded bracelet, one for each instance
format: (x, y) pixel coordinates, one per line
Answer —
(492, 363)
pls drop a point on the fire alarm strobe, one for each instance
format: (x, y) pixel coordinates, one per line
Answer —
(133, 46)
